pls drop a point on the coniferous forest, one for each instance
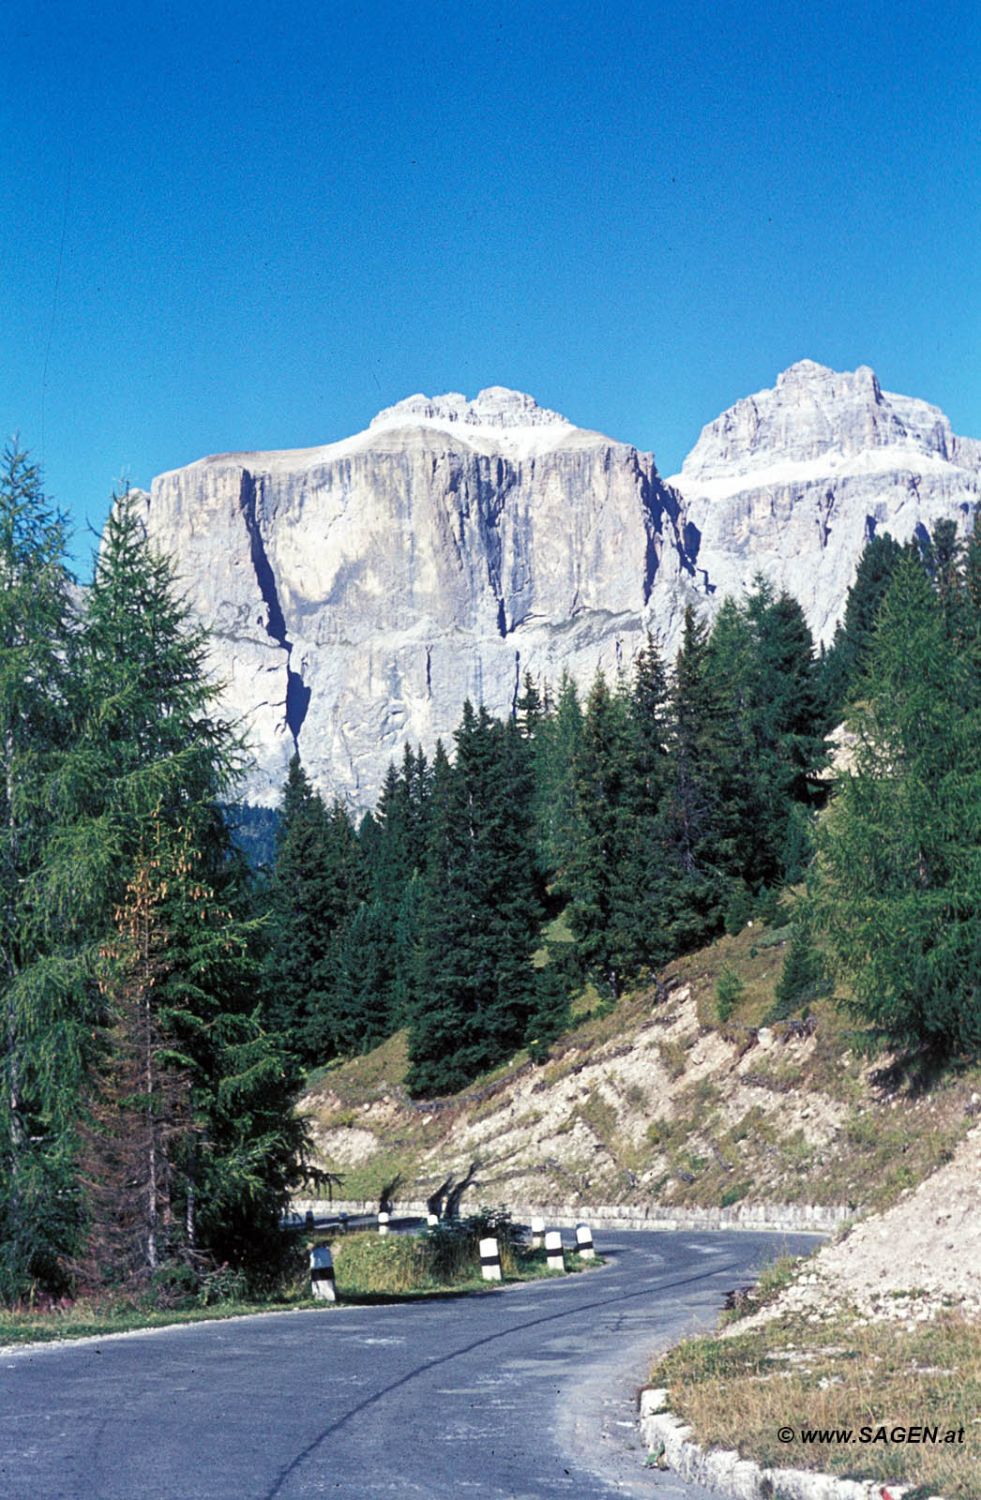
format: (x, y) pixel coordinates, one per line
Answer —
(163, 995)
(664, 806)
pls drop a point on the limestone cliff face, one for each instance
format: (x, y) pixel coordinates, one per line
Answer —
(790, 483)
(359, 592)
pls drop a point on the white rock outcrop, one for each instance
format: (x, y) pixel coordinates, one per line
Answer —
(358, 592)
(790, 483)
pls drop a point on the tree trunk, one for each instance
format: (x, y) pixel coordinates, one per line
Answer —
(152, 1165)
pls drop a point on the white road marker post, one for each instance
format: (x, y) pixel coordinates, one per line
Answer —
(490, 1260)
(383, 1219)
(322, 1274)
(554, 1258)
(432, 1220)
(537, 1233)
(584, 1242)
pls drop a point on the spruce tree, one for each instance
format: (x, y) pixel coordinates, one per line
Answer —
(480, 909)
(601, 878)
(394, 866)
(148, 742)
(316, 886)
(844, 662)
(695, 857)
(366, 976)
(802, 978)
(649, 711)
(148, 753)
(787, 724)
(734, 670)
(558, 739)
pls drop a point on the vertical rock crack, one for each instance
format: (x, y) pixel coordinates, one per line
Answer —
(297, 695)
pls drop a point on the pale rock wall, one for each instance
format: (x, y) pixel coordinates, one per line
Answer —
(360, 592)
(792, 481)
(357, 593)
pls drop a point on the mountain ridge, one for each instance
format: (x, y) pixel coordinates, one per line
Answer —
(359, 591)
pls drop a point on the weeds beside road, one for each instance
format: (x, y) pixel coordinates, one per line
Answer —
(370, 1268)
(739, 1391)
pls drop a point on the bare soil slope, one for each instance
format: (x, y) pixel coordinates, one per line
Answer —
(657, 1101)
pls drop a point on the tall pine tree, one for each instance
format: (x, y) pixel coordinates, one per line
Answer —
(480, 909)
(148, 751)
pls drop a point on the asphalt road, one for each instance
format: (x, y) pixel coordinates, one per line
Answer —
(525, 1393)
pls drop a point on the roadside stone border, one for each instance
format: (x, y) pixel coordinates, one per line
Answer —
(723, 1469)
(797, 1218)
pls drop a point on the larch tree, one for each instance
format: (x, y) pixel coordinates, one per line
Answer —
(898, 886)
(43, 1038)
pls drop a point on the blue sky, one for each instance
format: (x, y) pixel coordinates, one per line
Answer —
(246, 226)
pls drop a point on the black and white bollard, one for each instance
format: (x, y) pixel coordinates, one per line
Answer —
(432, 1220)
(584, 1242)
(490, 1260)
(554, 1258)
(537, 1233)
(383, 1219)
(322, 1274)
(309, 1220)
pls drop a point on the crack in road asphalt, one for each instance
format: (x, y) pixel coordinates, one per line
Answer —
(350, 1400)
(431, 1364)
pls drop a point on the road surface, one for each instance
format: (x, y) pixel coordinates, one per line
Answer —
(525, 1393)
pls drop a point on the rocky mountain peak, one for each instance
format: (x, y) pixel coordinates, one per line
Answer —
(827, 420)
(808, 374)
(495, 407)
(359, 591)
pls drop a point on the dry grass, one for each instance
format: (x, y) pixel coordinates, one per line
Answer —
(737, 1391)
(373, 1075)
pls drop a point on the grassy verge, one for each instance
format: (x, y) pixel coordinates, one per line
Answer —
(85, 1319)
(737, 1391)
(369, 1269)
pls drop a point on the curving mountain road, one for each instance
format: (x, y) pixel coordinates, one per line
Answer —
(526, 1393)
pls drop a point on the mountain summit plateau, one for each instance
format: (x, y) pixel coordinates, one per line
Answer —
(358, 592)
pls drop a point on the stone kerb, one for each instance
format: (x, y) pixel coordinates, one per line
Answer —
(722, 1468)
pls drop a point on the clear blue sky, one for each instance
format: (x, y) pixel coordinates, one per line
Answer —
(235, 226)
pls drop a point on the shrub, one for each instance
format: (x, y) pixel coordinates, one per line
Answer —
(224, 1284)
(173, 1285)
(369, 1262)
(454, 1244)
(449, 1252)
(728, 991)
(766, 907)
(802, 978)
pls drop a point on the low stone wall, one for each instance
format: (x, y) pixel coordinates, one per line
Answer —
(791, 1218)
